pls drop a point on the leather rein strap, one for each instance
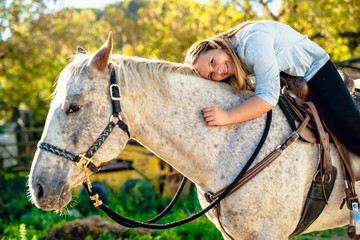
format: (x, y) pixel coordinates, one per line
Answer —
(264, 163)
(127, 222)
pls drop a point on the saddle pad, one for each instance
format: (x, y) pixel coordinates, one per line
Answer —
(289, 113)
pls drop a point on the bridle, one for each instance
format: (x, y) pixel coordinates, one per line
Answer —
(84, 161)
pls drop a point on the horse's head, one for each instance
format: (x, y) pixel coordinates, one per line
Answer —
(79, 112)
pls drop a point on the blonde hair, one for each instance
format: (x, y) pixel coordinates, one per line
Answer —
(240, 80)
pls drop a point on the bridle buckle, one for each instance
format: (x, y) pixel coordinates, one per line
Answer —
(115, 92)
(85, 168)
(96, 199)
(86, 164)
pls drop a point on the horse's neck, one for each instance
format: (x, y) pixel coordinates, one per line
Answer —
(175, 130)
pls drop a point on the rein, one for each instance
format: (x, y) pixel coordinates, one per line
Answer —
(85, 162)
(127, 222)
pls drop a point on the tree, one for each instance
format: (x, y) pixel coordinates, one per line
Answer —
(35, 54)
(37, 44)
(333, 24)
(165, 29)
(14, 13)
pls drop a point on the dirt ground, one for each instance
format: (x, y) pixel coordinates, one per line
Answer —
(92, 226)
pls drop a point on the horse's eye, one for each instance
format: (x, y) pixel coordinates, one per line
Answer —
(73, 108)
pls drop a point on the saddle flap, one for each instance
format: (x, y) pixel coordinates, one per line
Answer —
(307, 134)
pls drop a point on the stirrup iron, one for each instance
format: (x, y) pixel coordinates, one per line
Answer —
(354, 227)
(355, 217)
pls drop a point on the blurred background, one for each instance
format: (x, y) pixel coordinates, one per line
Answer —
(37, 39)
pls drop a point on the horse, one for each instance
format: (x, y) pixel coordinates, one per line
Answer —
(161, 104)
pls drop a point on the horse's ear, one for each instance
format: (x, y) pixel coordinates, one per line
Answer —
(101, 57)
(81, 50)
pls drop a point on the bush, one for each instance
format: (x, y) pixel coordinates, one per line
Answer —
(22, 220)
(19, 218)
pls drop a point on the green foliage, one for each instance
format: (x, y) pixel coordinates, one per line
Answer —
(22, 231)
(336, 233)
(39, 43)
(19, 218)
(22, 220)
(334, 24)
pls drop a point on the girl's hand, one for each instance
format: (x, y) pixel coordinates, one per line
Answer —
(251, 108)
(215, 116)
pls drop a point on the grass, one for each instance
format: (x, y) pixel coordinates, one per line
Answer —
(21, 220)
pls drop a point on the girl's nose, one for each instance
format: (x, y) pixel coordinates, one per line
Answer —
(218, 70)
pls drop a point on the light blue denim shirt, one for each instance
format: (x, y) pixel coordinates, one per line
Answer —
(268, 48)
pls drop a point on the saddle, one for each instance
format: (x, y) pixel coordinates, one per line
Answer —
(294, 101)
(295, 93)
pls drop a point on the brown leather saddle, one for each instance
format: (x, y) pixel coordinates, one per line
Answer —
(295, 92)
(295, 104)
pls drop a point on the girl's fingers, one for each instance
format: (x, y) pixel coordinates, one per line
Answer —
(208, 109)
(208, 119)
(211, 123)
(207, 114)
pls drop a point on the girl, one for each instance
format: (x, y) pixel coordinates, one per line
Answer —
(264, 49)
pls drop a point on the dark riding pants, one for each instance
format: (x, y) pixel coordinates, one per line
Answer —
(335, 105)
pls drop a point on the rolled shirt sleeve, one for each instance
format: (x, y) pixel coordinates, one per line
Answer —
(261, 58)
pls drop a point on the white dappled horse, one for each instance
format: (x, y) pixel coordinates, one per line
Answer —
(162, 104)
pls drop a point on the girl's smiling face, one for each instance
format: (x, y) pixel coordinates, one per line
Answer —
(215, 65)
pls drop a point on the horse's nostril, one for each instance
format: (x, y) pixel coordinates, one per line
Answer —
(40, 194)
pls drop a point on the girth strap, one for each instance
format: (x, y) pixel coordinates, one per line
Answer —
(315, 200)
(323, 137)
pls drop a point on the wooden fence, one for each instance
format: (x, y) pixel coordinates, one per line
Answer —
(17, 146)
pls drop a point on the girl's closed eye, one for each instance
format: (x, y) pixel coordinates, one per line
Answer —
(211, 61)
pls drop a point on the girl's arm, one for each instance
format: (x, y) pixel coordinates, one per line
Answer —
(252, 108)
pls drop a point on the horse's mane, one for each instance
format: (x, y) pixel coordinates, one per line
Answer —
(141, 73)
(148, 74)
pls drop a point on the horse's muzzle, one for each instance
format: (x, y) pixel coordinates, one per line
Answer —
(48, 196)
